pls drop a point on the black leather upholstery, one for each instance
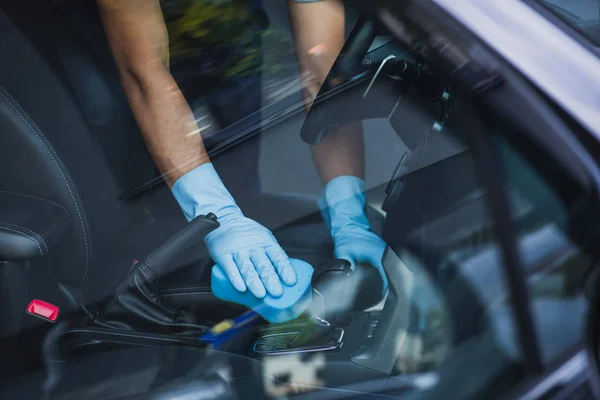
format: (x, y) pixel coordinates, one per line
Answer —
(30, 226)
(136, 304)
(47, 152)
(71, 40)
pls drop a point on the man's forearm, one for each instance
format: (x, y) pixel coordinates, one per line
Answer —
(319, 37)
(341, 153)
(166, 121)
(138, 37)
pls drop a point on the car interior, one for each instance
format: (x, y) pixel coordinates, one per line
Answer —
(87, 225)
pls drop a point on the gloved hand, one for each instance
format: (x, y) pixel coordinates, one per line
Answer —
(343, 208)
(247, 252)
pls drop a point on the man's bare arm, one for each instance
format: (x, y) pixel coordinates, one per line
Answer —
(139, 41)
(319, 37)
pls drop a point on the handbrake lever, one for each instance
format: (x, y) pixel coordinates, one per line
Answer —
(162, 258)
(136, 305)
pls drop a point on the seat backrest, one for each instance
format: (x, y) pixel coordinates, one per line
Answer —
(47, 151)
(70, 37)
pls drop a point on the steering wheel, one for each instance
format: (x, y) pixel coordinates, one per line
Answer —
(345, 85)
(358, 89)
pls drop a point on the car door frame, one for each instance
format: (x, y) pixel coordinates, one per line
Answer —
(532, 105)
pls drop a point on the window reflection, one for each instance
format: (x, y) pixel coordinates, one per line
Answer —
(229, 61)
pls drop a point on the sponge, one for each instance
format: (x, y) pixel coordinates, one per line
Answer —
(288, 306)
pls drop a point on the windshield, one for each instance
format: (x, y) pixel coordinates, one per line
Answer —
(271, 199)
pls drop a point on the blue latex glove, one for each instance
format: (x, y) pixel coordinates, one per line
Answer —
(247, 252)
(343, 207)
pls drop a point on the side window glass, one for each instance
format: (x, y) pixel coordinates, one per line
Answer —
(462, 320)
(551, 213)
(438, 223)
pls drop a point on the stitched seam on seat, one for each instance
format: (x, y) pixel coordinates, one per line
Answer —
(39, 198)
(185, 288)
(65, 174)
(57, 162)
(29, 231)
(185, 294)
(24, 235)
(49, 149)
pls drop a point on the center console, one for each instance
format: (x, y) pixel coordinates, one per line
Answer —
(358, 344)
(356, 328)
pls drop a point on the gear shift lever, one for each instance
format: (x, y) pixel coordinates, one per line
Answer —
(318, 328)
(318, 334)
(337, 289)
(340, 288)
(332, 273)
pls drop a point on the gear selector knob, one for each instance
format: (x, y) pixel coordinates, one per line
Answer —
(345, 289)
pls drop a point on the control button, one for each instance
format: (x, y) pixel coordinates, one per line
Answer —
(44, 310)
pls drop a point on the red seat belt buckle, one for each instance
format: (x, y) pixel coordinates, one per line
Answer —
(41, 309)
